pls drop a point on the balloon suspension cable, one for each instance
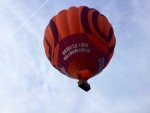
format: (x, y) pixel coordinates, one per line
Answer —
(83, 84)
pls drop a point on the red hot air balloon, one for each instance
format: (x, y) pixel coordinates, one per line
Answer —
(79, 42)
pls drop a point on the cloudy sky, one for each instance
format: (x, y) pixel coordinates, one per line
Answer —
(29, 84)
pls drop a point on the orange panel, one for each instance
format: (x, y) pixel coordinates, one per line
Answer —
(73, 20)
(103, 24)
(98, 43)
(62, 24)
(49, 37)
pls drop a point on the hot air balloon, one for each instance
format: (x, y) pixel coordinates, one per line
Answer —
(79, 42)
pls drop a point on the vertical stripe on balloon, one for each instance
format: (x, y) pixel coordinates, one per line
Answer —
(84, 20)
(54, 32)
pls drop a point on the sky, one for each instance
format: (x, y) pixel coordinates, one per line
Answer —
(29, 84)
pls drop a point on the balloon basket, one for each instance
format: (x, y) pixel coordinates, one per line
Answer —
(83, 84)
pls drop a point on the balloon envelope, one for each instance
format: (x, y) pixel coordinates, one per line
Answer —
(79, 42)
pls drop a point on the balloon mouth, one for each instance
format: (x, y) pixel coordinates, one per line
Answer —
(84, 74)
